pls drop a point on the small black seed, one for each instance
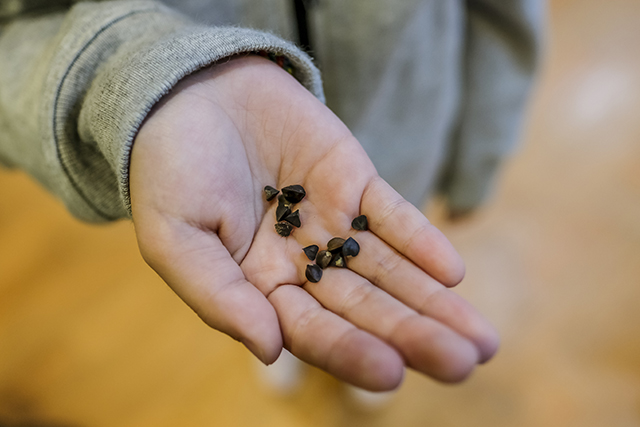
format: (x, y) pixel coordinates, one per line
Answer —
(335, 244)
(270, 193)
(283, 202)
(294, 193)
(311, 251)
(337, 260)
(323, 259)
(350, 247)
(313, 273)
(284, 228)
(282, 212)
(293, 218)
(360, 223)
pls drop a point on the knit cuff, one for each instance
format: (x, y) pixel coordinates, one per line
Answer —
(135, 58)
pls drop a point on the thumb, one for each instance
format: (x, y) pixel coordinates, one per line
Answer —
(198, 267)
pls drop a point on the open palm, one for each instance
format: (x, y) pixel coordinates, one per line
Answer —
(198, 168)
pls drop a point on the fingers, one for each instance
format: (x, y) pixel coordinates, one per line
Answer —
(201, 271)
(325, 340)
(426, 344)
(447, 340)
(406, 229)
(402, 279)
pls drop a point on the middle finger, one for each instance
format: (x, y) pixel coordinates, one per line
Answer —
(401, 278)
(426, 344)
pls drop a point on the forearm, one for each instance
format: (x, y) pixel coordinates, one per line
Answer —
(76, 87)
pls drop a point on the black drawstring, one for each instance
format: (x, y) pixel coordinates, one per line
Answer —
(301, 8)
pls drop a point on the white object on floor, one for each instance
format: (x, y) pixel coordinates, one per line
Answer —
(369, 400)
(284, 376)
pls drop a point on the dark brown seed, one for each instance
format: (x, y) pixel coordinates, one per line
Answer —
(350, 247)
(335, 244)
(270, 193)
(282, 212)
(284, 229)
(294, 193)
(283, 202)
(311, 251)
(313, 273)
(360, 223)
(293, 218)
(323, 259)
(337, 260)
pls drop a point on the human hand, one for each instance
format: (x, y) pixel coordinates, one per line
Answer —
(198, 167)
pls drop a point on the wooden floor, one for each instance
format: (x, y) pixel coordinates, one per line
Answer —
(89, 336)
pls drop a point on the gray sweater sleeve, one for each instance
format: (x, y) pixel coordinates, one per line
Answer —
(502, 49)
(75, 87)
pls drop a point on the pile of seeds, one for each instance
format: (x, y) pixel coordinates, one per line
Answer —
(338, 249)
(286, 217)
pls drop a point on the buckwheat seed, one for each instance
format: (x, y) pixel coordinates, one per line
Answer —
(350, 247)
(338, 260)
(270, 193)
(323, 259)
(293, 218)
(313, 273)
(294, 193)
(311, 251)
(360, 223)
(282, 212)
(335, 244)
(284, 228)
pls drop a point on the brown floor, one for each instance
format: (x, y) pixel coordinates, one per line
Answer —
(554, 261)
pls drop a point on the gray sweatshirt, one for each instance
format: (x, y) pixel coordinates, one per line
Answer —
(435, 90)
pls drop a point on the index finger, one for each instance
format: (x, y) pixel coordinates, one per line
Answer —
(405, 228)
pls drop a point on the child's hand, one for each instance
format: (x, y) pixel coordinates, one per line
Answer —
(198, 168)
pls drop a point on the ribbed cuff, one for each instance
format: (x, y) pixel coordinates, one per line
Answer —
(148, 50)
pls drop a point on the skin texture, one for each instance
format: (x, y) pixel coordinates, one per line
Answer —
(198, 167)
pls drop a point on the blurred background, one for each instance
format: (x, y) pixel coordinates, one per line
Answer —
(553, 261)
